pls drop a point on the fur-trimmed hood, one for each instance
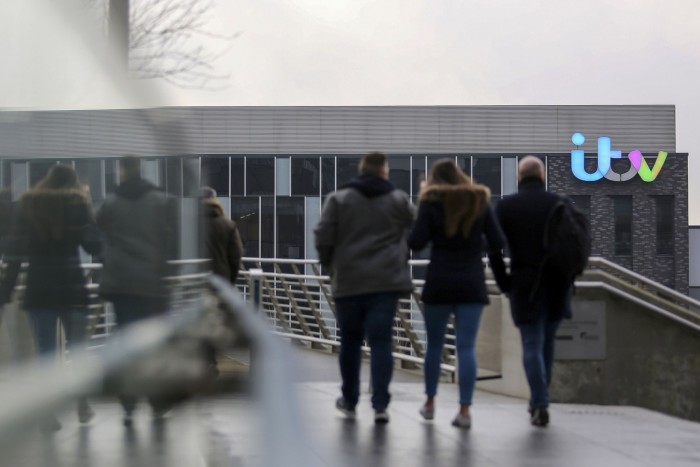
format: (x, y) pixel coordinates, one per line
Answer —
(462, 204)
(45, 210)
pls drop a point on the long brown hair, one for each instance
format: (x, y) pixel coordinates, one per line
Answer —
(44, 205)
(462, 200)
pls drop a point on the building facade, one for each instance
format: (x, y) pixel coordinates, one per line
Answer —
(272, 167)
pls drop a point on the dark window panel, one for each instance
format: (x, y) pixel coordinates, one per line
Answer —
(487, 171)
(400, 172)
(191, 178)
(664, 225)
(237, 176)
(347, 169)
(290, 228)
(260, 176)
(90, 173)
(466, 165)
(173, 176)
(306, 176)
(622, 215)
(245, 211)
(418, 174)
(327, 175)
(267, 226)
(215, 173)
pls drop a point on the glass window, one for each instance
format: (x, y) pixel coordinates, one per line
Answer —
(245, 211)
(38, 170)
(347, 169)
(327, 174)
(400, 173)
(191, 183)
(487, 171)
(290, 227)
(306, 176)
(237, 176)
(418, 169)
(622, 212)
(282, 176)
(664, 225)
(313, 215)
(173, 176)
(510, 175)
(215, 173)
(90, 173)
(583, 204)
(267, 227)
(465, 163)
(260, 175)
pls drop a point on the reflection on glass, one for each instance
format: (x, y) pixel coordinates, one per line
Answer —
(237, 176)
(419, 174)
(347, 169)
(245, 211)
(327, 175)
(173, 176)
(400, 172)
(290, 227)
(90, 173)
(267, 227)
(487, 170)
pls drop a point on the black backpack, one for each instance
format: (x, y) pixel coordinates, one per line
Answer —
(567, 240)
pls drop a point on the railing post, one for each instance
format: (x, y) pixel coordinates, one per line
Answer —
(255, 287)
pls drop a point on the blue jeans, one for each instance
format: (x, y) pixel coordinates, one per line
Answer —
(371, 315)
(538, 358)
(43, 322)
(467, 318)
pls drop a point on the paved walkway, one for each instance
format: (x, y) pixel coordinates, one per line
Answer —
(223, 430)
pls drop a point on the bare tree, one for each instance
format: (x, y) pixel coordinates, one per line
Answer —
(169, 39)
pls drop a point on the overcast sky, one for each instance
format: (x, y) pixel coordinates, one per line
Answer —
(399, 52)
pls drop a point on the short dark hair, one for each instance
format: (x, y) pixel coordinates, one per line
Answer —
(130, 167)
(373, 163)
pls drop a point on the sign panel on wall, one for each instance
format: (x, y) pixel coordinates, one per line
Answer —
(584, 336)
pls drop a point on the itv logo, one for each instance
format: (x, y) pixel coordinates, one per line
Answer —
(605, 156)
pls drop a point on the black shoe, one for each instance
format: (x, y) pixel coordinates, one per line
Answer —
(381, 417)
(540, 417)
(342, 405)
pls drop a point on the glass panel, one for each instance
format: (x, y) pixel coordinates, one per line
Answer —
(465, 163)
(622, 207)
(347, 169)
(237, 176)
(400, 173)
(583, 204)
(38, 170)
(20, 179)
(282, 176)
(327, 174)
(664, 225)
(290, 228)
(215, 173)
(260, 176)
(418, 169)
(306, 176)
(173, 176)
(90, 173)
(313, 215)
(245, 211)
(150, 170)
(190, 178)
(510, 175)
(487, 170)
(267, 225)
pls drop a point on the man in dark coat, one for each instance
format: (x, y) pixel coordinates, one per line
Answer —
(224, 244)
(539, 300)
(361, 239)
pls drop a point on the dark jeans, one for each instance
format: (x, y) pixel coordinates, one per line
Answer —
(370, 315)
(43, 322)
(128, 310)
(538, 358)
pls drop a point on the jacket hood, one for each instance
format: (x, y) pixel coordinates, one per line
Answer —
(212, 207)
(134, 188)
(371, 186)
(442, 192)
(462, 204)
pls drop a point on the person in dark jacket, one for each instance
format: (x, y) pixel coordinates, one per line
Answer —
(539, 299)
(454, 215)
(53, 221)
(361, 239)
(224, 244)
(138, 224)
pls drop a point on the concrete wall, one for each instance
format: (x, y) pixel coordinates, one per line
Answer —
(651, 361)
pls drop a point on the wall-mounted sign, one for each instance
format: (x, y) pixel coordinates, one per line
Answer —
(605, 156)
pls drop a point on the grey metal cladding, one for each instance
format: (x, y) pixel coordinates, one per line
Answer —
(333, 130)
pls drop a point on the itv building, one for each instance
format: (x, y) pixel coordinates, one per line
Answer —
(273, 166)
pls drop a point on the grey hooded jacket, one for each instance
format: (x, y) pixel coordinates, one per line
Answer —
(361, 237)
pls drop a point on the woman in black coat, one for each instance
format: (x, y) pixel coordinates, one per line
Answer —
(454, 215)
(54, 219)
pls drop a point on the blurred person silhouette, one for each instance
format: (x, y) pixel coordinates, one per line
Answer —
(52, 221)
(454, 216)
(223, 240)
(137, 222)
(361, 239)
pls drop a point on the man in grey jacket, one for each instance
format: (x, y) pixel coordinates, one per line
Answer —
(137, 222)
(361, 239)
